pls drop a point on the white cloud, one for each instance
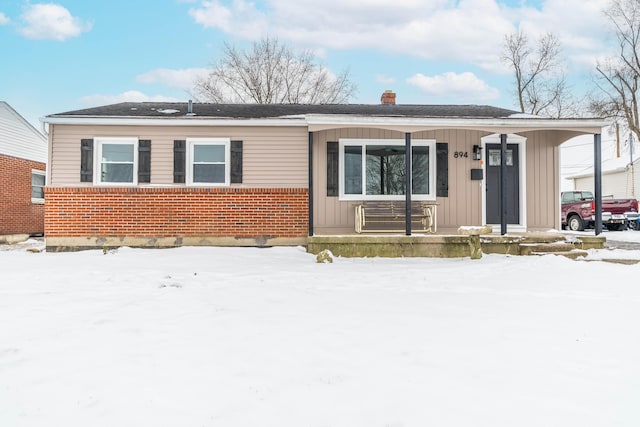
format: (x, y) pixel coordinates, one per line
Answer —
(470, 31)
(51, 22)
(180, 79)
(463, 87)
(3, 19)
(240, 18)
(129, 96)
(385, 80)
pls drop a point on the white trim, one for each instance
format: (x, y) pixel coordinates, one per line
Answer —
(38, 200)
(168, 121)
(191, 143)
(522, 124)
(431, 143)
(522, 166)
(97, 160)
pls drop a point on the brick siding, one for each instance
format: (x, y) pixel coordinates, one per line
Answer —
(17, 214)
(180, 212)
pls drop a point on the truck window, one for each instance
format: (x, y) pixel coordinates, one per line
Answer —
(568, 197)
(586, 195)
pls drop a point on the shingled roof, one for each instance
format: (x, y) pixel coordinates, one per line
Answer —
(258, 111)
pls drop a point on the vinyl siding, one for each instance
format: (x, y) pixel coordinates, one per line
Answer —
(462, 207)
(543, 179)
(464, 204)
(272, 157)
(18, 138)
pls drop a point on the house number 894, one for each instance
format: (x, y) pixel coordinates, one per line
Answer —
(459, 154)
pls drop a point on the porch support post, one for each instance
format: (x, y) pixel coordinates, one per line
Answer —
(407, 183)
(503, 184)
(310, 167)
(597, 176)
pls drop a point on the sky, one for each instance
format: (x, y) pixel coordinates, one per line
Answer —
(236, 337)
(71, 54)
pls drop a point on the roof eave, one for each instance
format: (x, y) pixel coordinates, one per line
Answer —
(174, 121)
(317, 122)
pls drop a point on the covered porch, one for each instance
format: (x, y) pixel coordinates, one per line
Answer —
(475, 171)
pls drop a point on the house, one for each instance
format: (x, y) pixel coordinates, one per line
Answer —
(620, 178)
(166, 174)
(23, 157)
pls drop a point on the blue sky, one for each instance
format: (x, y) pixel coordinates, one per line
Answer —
(71, 54)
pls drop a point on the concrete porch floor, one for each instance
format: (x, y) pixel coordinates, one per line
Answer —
(443, 245)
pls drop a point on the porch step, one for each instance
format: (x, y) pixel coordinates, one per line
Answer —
(573, 254)
(553, 247)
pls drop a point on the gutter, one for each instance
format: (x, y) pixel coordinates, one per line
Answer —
(523, 124)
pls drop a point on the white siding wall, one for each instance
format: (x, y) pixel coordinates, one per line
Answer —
(18, 138)
(617, 184)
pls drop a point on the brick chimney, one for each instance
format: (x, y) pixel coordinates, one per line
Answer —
(388, 98)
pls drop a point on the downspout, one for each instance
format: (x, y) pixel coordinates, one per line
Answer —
(407, 183)
(503, 184)
(310, 203)
(597, 184)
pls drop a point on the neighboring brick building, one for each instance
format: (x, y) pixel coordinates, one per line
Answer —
(23, 157)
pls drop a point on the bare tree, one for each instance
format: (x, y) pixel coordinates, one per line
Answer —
(618, 77)
(271, 73)
(540, 84)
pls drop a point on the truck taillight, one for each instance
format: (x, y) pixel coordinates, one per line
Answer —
(593, 206)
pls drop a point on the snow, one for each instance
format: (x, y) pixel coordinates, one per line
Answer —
(269, 337)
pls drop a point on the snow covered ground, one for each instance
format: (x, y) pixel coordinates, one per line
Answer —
(268, 337)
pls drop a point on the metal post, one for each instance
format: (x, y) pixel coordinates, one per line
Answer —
(597, 185)
(407, 183)
(310, 184)
(633, 178)
(503, 184)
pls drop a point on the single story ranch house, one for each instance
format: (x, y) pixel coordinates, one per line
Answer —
(170, 174)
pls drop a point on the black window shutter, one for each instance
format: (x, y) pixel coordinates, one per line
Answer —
(179, 160)
(332, 169)
(86, 160)
(144, 160)
(442, 169)
(236, 162)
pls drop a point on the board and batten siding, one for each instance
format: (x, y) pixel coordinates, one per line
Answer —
(272, 156)
(18, 138)
(543, 179)
(464, 204)
(462, 207)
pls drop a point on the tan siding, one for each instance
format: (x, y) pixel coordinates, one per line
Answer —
(272, 157)
(543, 185)
(462, 207)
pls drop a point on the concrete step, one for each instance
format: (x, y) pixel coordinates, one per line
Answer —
(573, 254)
(560, 246)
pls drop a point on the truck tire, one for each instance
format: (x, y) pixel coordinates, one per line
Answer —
(575, 223)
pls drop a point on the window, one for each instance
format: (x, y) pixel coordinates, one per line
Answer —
(117, 161)
(495, 157)
(37, 186)
(208, 161)
(376, 169)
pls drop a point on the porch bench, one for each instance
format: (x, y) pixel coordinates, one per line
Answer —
(389, 216)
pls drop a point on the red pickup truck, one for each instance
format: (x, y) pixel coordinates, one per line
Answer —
(578, 211)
